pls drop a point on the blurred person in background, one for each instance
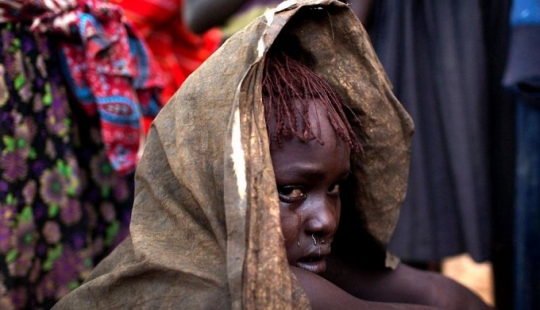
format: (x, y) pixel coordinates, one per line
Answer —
(229, 15)
(233, 15)
(437, 69)
(444, 61)
(177, 50)
(74, 83)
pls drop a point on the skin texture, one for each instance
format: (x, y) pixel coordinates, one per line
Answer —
(403, 285)
(324, 294)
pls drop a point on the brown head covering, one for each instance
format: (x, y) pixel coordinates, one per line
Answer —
(205, 231)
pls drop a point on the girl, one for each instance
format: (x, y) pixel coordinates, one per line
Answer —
(239, 198)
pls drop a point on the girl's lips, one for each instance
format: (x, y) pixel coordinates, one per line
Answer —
(316, 266)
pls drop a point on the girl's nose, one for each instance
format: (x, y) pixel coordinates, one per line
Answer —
(323, 217)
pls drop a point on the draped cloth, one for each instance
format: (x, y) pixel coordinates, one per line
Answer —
(205, 230)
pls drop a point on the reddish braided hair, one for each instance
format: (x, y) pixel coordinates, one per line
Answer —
(288, 88)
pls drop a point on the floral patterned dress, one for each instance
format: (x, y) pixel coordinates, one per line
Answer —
(62, 207)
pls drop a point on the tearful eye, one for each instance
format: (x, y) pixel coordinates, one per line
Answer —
(334, 189)
(291, 193)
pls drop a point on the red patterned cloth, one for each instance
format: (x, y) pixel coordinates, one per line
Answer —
(109, 68)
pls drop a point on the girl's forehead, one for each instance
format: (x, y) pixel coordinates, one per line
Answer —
(319, 123)
(317, 117)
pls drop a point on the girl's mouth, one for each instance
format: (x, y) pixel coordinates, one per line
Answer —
(312, 264)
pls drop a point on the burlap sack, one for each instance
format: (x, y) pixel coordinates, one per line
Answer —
(205, 231)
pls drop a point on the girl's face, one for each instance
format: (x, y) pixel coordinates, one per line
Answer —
(308, 177)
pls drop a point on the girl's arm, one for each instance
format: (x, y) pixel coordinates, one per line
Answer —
(323, 294)
(403, 285)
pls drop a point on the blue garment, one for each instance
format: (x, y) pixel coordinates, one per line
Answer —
(523, 78)
(527, 207)
(525, 12)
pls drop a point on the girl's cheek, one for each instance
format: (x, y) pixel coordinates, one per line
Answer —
(291, 226)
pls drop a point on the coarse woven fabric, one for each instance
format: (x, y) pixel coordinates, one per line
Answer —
(205, 230)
